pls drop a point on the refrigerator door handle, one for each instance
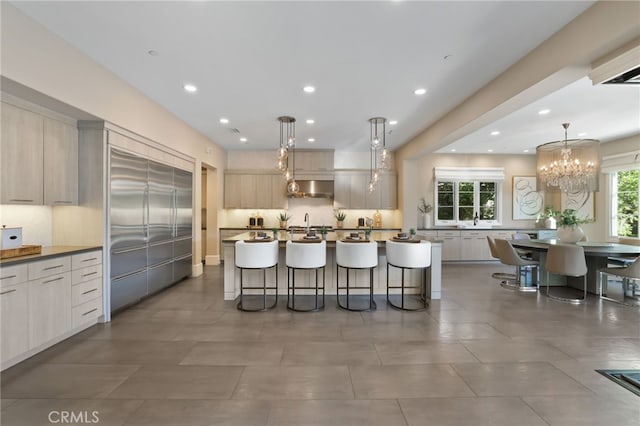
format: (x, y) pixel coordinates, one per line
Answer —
(145, 213)
(174, 210)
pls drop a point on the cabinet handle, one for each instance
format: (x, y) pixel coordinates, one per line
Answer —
(53, 267)
(88, 312)
(7, 292)
(63, 202)
(50, 281)
(21, 200)
(89, 274)
(7, 277)
(88, 291)
(89, 260)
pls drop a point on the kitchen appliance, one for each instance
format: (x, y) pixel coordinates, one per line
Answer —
(313, 189)
(150, 227)
(11, 237)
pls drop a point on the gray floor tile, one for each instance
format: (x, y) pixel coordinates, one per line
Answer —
(329, 353)
(430, 352)
(179, 382)
(32, 412)
(333, 413)
(219, 332)
(200, 413)
(294, 383)
(513, 350)
(407, 381)
(518, 379)
(584, 411)
(469, 412)
(67, 381)
(296, 331)
(235, 353)
(599, 349)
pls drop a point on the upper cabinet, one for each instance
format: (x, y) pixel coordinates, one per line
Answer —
(351, 191)
(313, 160)
(39, 159)
(245, 190)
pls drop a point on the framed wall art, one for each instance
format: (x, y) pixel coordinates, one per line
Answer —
(527, 201)
(581, 202)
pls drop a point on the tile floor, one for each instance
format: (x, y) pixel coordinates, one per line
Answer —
(483, 355)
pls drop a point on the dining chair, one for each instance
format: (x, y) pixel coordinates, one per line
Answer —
(509, 256)
(504, 276)
(630, 275)
(567, 260)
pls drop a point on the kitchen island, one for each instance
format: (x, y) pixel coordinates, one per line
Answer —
(232, 277)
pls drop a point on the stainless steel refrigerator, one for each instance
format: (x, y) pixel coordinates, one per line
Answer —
(151, 227)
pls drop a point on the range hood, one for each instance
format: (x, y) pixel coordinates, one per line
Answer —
(313, 189)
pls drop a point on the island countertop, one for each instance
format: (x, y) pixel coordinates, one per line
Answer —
(331, 237)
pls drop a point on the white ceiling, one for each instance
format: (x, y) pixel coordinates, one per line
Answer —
(250, 61)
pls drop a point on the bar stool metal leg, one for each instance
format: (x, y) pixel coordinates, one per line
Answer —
(347, 306)
(241, 305)
(403, 288)
(291, 290)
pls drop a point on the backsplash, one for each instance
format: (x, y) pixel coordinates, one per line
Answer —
(36, 222)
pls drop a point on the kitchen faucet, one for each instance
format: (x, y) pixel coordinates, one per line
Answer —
(307, 220)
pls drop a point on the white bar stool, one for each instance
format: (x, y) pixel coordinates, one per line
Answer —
(305, 256)
(258, 255)
(409, 255)
(356, 255)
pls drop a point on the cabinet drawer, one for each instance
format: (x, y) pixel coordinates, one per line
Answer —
(86, 291)
(86, 259)
(86, 274)
(47, 267)
(448, 233)
(85, 313)
(10, 275)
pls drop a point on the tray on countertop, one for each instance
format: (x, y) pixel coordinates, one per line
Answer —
(404, 240)
(355, 240)
(308, 240)
(20, 251)
(259, 240)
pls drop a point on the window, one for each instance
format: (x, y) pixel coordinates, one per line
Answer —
(625, 194)
(463, 193)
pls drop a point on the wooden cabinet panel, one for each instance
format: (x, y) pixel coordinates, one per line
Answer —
(474, 246)
(351, 191)
(232, 191)
(60, 163)
(388, 191)
(254, 191)
(21, 174)
(314, 160)
(49, 308)
(248, 191)
(342, 190)
(263, 184)
(359, 190)
(15, 333)
(278, 192)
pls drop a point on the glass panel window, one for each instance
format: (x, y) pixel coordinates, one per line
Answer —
(461, 201)
(626, 187)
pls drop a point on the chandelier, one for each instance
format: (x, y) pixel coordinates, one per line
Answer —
(571, 165)
(287, 144)
(379, 156)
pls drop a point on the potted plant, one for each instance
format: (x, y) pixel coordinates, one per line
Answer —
(323, 232)
(340, 217)
(425, 217)
(283, 218)
(569, 230)
(547, 219)
(412, 233)
(275, 233)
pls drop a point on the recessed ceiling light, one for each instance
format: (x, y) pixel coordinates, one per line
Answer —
(582, 134)
(310, 121)
(453, 150)
(311, 140)
(190, 88)
(243, 140)
(420, 91)
(393, 122)
(495, 133)
(153, 52)
(309, 89)
(224, 120)
(544, 111)
(489, 150)
(526, 150)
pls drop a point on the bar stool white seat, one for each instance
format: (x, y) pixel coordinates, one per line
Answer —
(409, 255)
(355, 255)
(306, 256)
(259, 255)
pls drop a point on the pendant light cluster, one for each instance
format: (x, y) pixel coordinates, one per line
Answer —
(286, 151)
(379, 156)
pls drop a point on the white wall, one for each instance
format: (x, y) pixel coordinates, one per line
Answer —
(35, 221)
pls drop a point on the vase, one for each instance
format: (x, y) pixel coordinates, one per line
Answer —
(424, 221)
(570, 234)
(283, 224)
(339, 224)
(550, 223)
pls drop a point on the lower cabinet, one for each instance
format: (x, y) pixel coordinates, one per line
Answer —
(45, 301)
(466, 245)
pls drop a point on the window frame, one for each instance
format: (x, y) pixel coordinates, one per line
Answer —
(612, 203)
(476, 201)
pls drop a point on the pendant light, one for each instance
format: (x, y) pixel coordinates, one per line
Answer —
(377, 131)
(286, 152)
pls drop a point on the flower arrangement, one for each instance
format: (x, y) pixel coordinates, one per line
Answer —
(283, 217)
(570, 218)
(339, 215)
(424, 207)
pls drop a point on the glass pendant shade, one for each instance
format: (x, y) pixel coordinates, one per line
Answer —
(293, 187)
(571, 165)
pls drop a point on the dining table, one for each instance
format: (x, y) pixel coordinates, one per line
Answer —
(597, 256)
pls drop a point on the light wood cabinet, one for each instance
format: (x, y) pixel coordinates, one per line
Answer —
(49, 308)
(22, 156)
(450, 244)
(351, 191)
(254, 191)
(314, 160)
(39, 159)
(60, 163)
(15, 333)
(474, 246)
